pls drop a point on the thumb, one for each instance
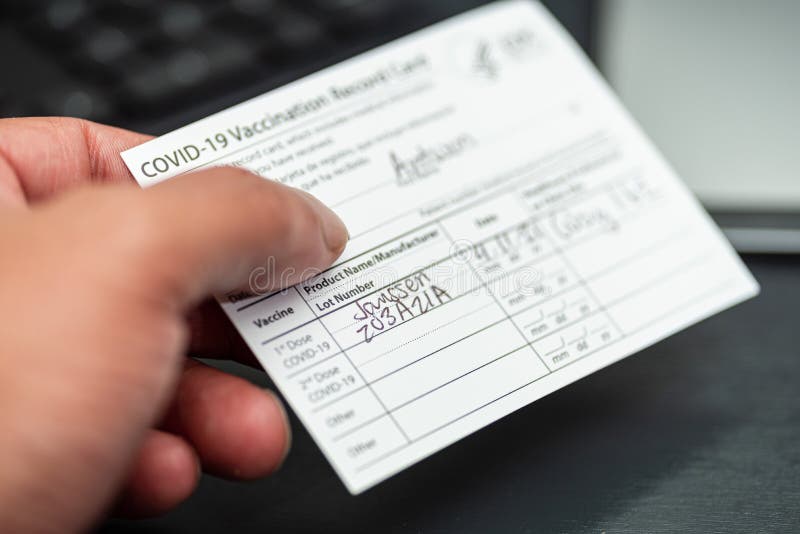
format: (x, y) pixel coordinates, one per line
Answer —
(118, 266)
(212, 231)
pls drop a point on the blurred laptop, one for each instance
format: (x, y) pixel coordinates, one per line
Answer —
(154, 65)
(715, 84)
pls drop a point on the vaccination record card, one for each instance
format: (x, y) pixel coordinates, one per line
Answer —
(512, 230)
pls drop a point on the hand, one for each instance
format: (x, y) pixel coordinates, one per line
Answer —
(100, 284)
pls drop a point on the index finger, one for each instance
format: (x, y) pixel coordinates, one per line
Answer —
(43, 156)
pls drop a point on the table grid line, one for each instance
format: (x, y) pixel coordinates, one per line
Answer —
(440, 386)
(698, 298)
(399, 428)
(576, 281)
(516, 313)
(532, 219)
(494, 297)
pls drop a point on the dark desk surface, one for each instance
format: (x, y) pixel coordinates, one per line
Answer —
(700, 433)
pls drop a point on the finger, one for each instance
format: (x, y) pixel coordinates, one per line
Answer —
(43, 156)
(211, 231)
(238, 430)
(213, 336)
(164, 473)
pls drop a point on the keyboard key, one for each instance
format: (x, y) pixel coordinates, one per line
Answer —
(254, 21)
(295, 31)
(224, 54)
(181, 20)
(108, 46)
(65, 14)
(81, 102)
(145, 86)
(188, 67)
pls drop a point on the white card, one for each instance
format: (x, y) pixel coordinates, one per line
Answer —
(512, 231)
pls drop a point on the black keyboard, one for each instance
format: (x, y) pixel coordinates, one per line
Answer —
(155, 64)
